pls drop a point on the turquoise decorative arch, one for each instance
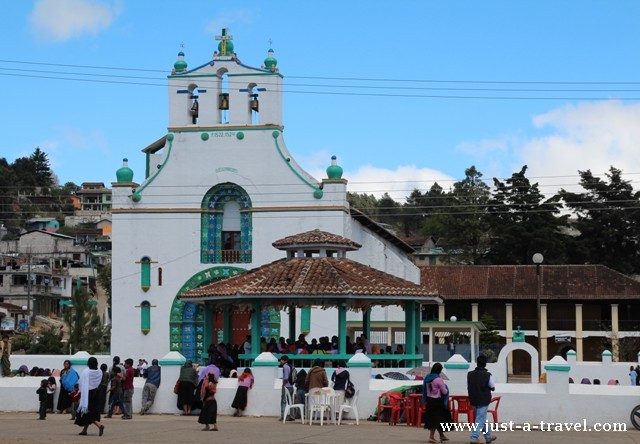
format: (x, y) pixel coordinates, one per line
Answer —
(187, 327)
(211, 222)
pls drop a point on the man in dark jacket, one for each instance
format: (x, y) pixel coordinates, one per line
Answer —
(153, 375)
(480, 384)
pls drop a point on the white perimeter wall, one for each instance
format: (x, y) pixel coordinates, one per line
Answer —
(555, 401)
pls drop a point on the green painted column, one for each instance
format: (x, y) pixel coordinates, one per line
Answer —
(226, 327)
(366, 324)
(410, 330)
(292, 323)
(255, 327)
(418, 312)
(305, 320)
(342, 329)
(208, 325)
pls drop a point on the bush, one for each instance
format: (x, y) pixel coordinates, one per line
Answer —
(22, 342)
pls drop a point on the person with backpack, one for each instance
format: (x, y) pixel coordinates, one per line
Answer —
(288, 378)
(340, 380)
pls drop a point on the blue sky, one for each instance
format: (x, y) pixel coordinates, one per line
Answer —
(495, 84)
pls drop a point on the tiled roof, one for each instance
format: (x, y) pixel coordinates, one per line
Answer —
(316, 237)
(314, 279)
(573, 282)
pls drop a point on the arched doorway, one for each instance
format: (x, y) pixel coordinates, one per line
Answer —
(501, 373)
(187, 324)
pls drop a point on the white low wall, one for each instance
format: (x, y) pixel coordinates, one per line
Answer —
(555, 401)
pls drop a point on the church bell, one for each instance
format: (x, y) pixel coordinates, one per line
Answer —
(223, 101)
(254, 104)
(194, 107)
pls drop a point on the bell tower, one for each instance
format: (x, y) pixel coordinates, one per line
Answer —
(225, 91)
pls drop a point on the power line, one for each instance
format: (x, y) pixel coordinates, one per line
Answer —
(352, 93)
(368, 79)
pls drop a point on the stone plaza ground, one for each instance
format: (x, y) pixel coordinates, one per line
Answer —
(24, 428)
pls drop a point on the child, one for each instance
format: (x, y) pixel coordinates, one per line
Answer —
(42, 397)
(245, 382)
(116, 392)
(51, 391)
(75, 400)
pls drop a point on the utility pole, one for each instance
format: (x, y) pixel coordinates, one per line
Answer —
(29, 288)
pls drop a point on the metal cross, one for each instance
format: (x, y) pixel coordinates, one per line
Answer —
(224, 37)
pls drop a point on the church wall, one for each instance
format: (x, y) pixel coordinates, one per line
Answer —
(161, 219)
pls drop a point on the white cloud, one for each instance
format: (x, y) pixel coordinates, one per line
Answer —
(61, 20)
(591, 136)
(228, 19)
(399, 183)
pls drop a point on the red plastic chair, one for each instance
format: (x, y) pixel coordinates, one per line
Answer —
(389, 397)
(460, 405)
(494, 411)
(399, 406)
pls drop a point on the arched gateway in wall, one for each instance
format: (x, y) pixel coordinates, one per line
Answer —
(187, 319)
(500, 375)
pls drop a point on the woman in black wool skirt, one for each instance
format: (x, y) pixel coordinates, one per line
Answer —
(89, 408)
(209, 412)
(435, 395)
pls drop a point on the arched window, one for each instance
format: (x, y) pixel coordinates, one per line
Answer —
(223, 97)
(193, 105)
(145, 273)
(254, 104)
(145, 317)
(226, 225)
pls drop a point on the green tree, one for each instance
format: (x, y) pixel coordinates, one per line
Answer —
(85, 328)
(8, 193)
(523, 222)
(413, 213)
(435, 202)
(608, 220)
(104, 279)
(48, 342)
(367, 203)
(465, 225)
(41, 168)
(389, 211)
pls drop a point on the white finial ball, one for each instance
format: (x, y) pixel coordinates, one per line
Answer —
(453, 319)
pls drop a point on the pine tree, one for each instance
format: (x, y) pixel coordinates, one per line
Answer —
(85, 328)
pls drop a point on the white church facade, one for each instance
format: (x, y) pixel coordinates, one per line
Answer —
(220, 187)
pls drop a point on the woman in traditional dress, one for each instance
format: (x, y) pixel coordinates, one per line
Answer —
(68, 379)
(188, 381)
(245, 382)
(5, 352)
(435, 395)
(209, 413)
(89, 407)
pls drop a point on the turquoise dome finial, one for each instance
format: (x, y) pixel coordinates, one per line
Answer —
(180, 65)
(124, 174)
(334, 171)
(270, 62)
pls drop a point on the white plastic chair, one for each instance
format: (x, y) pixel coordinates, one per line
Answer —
(350, 406)
(291, 406)
(317, 405)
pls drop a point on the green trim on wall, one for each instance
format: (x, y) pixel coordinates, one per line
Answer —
(257, 74)
(166, 159)
(173, 76)
(80, 361)
(225, 129)
(265, 364)
(358, 364)
(460, 365)
(172, 361)
(558, 368)
(317, 192)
